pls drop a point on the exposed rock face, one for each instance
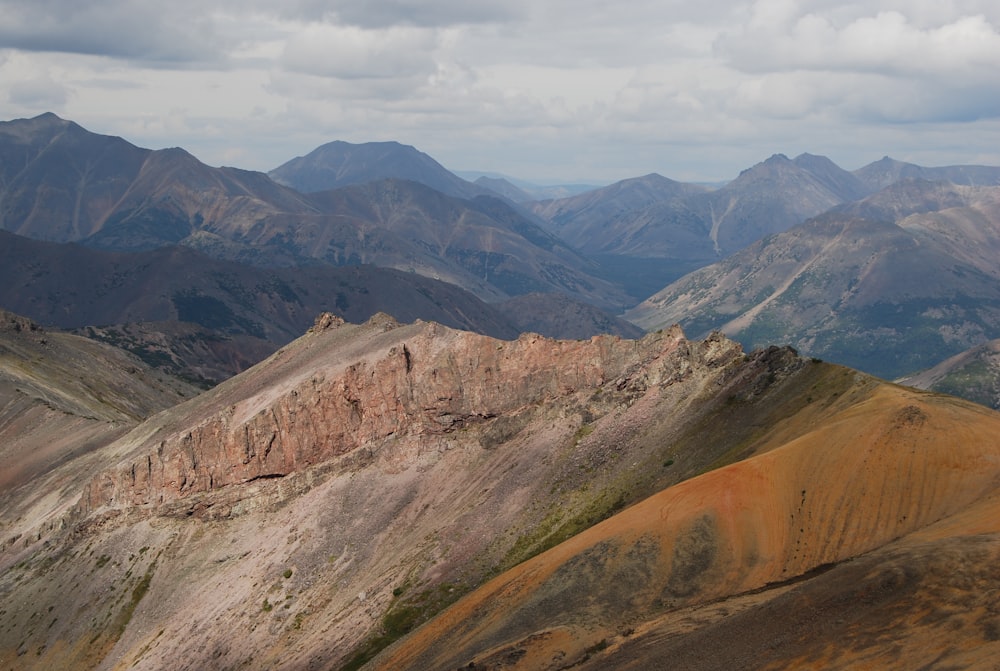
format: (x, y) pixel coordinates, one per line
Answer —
(425, 382)
(16, 323)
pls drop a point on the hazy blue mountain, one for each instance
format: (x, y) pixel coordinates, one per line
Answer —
(338, 163)
(886, 171)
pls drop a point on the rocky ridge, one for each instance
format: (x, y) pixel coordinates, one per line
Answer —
(363, 477)
(423, 382)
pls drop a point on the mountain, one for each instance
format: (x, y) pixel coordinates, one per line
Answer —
(774, 196)
(888, 296)
(559, 316)
(887, 171)
(641, 216)
(650, 231)
(338, 164)
(583, 220)
(207, 319)
(519, 188)
(973, 374)
(868, 543)
(65, 184)
(486, 242)
(504, 188)
(62, 183)
(575, 503)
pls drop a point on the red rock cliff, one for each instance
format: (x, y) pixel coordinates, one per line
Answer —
(411, 383)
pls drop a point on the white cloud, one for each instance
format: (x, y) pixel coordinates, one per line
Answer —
(691, 90)
(887, 42)
(41, 92)
(177, 32)
(356, 53)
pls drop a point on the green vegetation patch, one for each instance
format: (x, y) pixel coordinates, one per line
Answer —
(556, 527)
(402, 617)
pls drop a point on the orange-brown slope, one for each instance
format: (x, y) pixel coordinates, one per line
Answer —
(875, 478)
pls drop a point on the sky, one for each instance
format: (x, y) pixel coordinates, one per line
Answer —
(550, 91)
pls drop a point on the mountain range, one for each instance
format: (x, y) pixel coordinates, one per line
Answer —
(611, 247)
(336, 487)
(891, 284)
(207, 319)
(61, 183)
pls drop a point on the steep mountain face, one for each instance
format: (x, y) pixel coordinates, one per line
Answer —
(63, 183)
(651, 231)
(908, 196)
(338, 164)
(774, 196)
(973, 374)
(48, 165)
(886, 171)
(486, 240)
(360, 479)
(654, 216)
(585, 220)
(890, 298)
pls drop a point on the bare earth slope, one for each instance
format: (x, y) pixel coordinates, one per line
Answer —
(870, 541)
(973, 374)
(315, 508)
(61, 398)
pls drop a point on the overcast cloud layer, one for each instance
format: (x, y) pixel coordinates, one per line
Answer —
(552, 90)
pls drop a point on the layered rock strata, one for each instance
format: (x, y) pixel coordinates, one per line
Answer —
(413, 383)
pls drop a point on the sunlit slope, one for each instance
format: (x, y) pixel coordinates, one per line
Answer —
(881, 494)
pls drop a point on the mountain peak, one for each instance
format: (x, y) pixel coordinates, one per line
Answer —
(338, 163)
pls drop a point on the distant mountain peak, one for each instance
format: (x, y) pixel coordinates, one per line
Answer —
(339, 163)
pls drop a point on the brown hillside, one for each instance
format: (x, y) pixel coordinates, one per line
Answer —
(892, 493)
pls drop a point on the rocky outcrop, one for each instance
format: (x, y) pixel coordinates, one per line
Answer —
(16, 323)
(416, 383)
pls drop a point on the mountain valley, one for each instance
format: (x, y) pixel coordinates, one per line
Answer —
(887, 288)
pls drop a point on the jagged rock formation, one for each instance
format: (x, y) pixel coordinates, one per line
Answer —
(422, 382)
